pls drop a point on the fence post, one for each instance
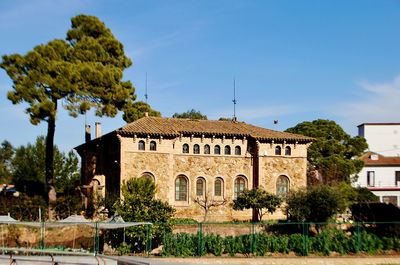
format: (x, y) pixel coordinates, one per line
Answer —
(96, 238)
(253, 237)
(148, 239)
(200, 240)
(305, 238)
(42, 235)
(358, 238)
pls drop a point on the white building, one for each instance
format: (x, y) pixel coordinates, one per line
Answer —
(382, 138)
(381, 172)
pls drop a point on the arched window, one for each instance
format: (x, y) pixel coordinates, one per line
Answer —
(218, 187)
(227, 150)
(181, 188)
(153, 146)
(288, 151)
(141, 145)
(238, 150)
(217, 150)
(200, 187)
(148, 175)
(282, 186)
(207, 149)
(185, 149)
(196, 149)
(278, 150)
(240, 185)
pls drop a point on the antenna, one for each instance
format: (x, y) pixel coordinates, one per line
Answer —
(234, 99)
(145, 95)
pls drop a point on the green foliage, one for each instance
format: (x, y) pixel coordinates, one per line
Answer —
(332, 153)
(28, 169)
(23, 207)
(214, 244)
(258, 199)
(66, 206)
(363, 194)
(124, 249)
(6, 154)
(190, 114)
(317, 204)
(180, 245)
(260, 244)
(137, 110)
(139, 205)
(83, 71)
(351, 195)
(66, 172)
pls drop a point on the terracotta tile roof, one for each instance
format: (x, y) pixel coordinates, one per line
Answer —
(172, 127)
(380, 161)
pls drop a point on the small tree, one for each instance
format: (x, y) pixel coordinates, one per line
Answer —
(207, 203)
(139, 205)
(317, 204)
(258, 200)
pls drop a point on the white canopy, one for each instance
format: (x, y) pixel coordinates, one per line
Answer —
(111, 223)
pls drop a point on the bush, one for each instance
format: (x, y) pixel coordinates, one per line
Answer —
(23, 208)
(66, 206)
(214, 244)
(260, 244)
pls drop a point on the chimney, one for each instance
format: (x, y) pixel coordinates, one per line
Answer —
(98, 129)
(88, 133)
(146, 114)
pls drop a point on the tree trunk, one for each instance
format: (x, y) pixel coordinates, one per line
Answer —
(51, 127)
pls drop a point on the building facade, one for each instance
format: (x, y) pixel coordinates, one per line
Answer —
(382, 138)
(381, 172)
(196, 161)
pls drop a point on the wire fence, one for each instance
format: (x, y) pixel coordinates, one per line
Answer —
(199, 239)
(260, 239)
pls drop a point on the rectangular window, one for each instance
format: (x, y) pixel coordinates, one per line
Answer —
(390, 199)
(370, 178)
(397, 179)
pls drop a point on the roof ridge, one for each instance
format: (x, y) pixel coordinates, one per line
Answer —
(174, 126)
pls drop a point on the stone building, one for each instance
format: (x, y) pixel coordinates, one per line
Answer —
(196, 161)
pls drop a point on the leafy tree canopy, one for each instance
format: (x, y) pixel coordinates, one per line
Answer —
(317, 204)
(352, 195)
(190, 114)
(28, 169)
(139, 205)
(6, 154)
(138, 110)
(83, 71)
(333, 152)
(257, 199)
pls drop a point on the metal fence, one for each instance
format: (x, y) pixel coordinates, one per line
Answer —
(265, 238)
(198, 239)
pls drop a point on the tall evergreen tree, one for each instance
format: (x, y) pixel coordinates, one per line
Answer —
(83, 71)
(333, 153)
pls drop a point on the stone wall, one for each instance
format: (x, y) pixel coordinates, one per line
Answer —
(168, 162)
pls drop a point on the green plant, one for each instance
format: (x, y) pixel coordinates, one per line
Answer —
(213, 244)
(124, 249)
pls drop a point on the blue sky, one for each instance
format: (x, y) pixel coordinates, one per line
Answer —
(293, 61)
